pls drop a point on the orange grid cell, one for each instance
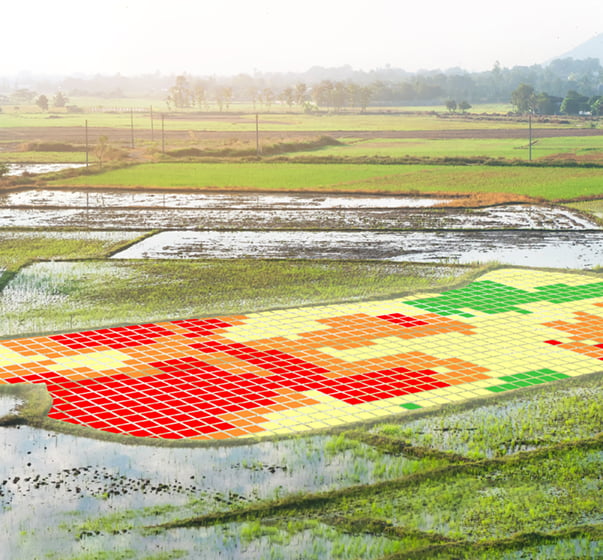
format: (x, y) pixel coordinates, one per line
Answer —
(249, 421)
(255, 429)
(306, 401)
(247, 414)
(262, 410)
(460, 379)
(219, 435)
(279, 407)
(236, 432)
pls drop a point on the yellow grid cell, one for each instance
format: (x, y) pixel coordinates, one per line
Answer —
(96, 361)
(317, 425)
(9, 357)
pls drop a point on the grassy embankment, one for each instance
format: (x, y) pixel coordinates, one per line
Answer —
(327, 148)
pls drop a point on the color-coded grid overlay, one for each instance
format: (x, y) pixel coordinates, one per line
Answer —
(293, 370)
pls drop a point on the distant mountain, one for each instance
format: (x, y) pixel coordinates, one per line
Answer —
(593, 48)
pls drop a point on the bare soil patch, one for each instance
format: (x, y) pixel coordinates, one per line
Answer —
(11, 137)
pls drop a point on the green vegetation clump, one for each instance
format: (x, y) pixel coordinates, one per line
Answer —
(248, 148)
(507, 427)
(51, 296)
(51, 147)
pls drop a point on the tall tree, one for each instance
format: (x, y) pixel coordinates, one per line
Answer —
(200, 96)
(42, 102)
(59, 100)
(301, 93)
(574, 103)
(288, 96)
(180, 94)
(267, 97)
(523, 98)
(451, 105)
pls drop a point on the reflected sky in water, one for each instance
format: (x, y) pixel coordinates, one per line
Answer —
(48, 479)
(580, 250)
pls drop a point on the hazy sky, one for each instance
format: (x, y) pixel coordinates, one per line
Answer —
(225, 37)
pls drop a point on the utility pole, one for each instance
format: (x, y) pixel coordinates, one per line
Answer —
(530, 135)
(162, 133)
(132, 127)
(257, 134)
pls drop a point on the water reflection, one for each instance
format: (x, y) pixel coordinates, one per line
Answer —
(8, 404)
(150, 210)
(48, 479)
(102, 198)
(580, 250)
(37, 168)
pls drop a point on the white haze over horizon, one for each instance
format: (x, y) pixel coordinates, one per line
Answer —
(202, 37)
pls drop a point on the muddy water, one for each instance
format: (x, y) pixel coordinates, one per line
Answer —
(122, 198)
(51, 482)
(524, 248)
(8, 405)
(135, 210)
(37, 168)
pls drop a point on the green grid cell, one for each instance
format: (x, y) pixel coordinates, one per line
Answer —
(411, 406)
(526, 379)
(491, 297)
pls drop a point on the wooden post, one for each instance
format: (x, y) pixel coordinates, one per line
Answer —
(257, 134)
(132, 127)
(530, 136)
(162, 133)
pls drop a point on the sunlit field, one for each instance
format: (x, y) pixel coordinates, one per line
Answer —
(545, 182)
(500, 476)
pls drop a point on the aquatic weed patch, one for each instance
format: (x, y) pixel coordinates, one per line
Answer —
(516, 424)
(94, 292)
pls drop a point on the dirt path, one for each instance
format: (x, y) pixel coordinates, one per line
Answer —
(76, 134)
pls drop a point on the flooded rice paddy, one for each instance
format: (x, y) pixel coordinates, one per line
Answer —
(583, 250)
(62, 496)
(50, 481)
(8, 405)
(316, 226)
(133, 209)
(15, 169)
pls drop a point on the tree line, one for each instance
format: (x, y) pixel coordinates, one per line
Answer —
(558, 85)
(525, 99)
(340, 88)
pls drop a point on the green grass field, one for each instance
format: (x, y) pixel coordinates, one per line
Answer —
(494, 148)
(360, 148)
(20, 247)
(43, 157)
(545, 182)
